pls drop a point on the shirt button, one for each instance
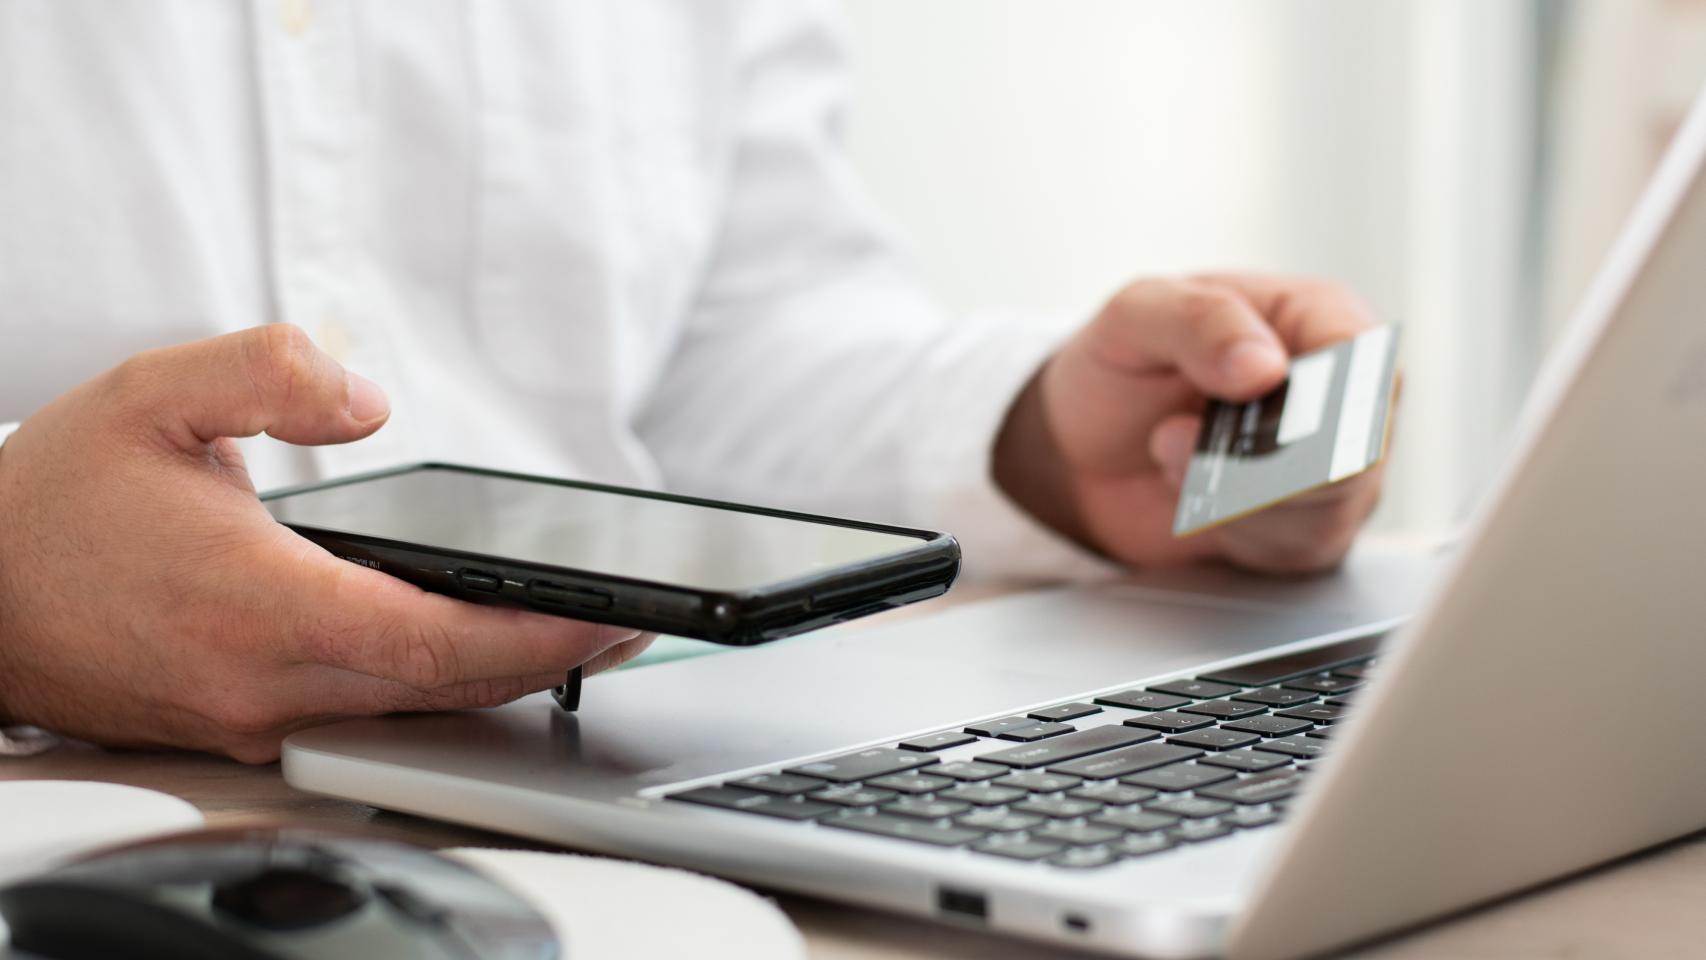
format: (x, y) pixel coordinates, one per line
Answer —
(334, 338)
(296, 15)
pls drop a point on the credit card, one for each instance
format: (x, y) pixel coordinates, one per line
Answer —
(1325, 423)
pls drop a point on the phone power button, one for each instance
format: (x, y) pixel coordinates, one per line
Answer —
(480, 580)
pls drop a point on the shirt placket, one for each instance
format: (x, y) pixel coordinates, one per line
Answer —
(309, 111)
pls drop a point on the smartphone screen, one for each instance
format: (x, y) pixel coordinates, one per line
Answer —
(663, 541)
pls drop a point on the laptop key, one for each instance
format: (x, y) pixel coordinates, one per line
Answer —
(1065, 711)
(1083, 858)
(1195, 689)
(863, 765)
(1143, 844)
(1247, 761)
(1275, 697)
(983, 794)
(938, 741)
(1068, 747)
(995, 728)
(910, 783)
(1356, 671)
(1112, 792)
(1215, 739)
(1315, 713)
(1261, 788)
(1118, 763)
(783, 784)
(1170, 722)
(1194, 808)
(1037, 731)
(1342, 700)
(965, 770)
(1142, 700)
(1246, 817)
(1323, 683)
(1225, 709)
(1040, 782)
(1320, 733)
(1195, 831)
(1272, 725)
(1019, 848)
(1137, 821)
(999, 821)
(1126, 761)
(1077, 834)
(1300, 747)
(1179, 776)
(1058, 808)
(748, 801)
(1272, 670)
(925, 809)
(851, 795)
(905, 828)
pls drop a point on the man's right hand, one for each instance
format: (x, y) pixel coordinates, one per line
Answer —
(147, 598)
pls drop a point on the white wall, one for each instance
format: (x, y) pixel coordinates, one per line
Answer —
(1038, 154)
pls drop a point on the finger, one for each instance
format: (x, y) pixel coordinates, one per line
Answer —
(1211, 335)
(1306, 534)
(491, 693)
(371, 623)
(620, 654)
(270, 378)
(388, 696)
(1172, 443)
(354, 694)
(1307, 314)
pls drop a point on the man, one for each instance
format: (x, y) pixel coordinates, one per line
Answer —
(613, 240)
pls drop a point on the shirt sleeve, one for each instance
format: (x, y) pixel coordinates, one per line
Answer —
(814, 371)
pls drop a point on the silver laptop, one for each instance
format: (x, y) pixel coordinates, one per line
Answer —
(1187, 769)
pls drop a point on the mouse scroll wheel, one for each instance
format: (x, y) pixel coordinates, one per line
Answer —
(286, 898)
(413, 905)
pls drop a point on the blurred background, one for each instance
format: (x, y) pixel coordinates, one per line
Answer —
(1462, 164)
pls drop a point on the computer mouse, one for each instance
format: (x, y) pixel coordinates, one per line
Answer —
(270, 894)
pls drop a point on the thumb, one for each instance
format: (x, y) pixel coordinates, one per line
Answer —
(270, 379)
(1172, 443)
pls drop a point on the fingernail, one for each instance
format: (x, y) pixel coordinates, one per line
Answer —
(1251, 360)
(610, 636)
(367, 402)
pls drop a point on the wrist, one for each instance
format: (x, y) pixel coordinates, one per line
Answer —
(6, 430)
(1030, 467)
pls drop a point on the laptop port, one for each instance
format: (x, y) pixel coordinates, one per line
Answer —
(962, 904)
(1076, 922)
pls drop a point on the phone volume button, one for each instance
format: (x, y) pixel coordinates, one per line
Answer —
(557, 594)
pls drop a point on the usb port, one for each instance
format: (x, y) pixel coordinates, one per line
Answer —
(962, 904)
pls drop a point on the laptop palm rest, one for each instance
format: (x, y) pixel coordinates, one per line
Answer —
(682, 720)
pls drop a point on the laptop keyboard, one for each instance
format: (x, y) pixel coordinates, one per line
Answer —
(1085, 784)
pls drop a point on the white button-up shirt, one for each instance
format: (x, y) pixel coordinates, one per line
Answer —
(616, 240)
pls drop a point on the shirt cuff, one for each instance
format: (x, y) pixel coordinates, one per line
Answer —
(973, 379)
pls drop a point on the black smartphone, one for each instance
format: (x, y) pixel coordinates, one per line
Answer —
(679, 565)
